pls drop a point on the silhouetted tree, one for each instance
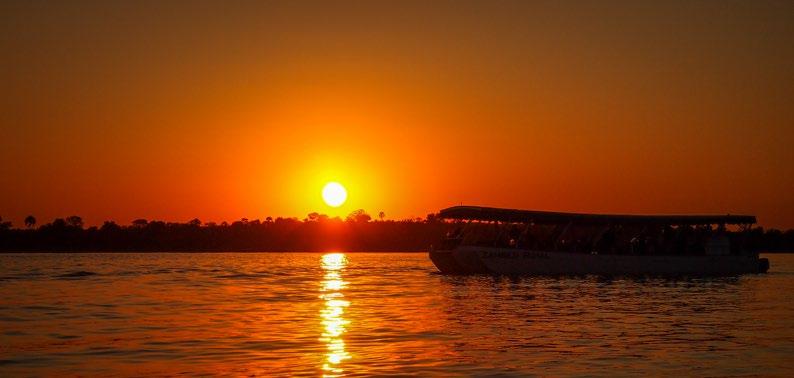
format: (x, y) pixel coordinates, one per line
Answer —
(58, 224)
(381, 215)
(195, 222)
(358, 216)
(30, 221)
(109, 226)
(74, 221)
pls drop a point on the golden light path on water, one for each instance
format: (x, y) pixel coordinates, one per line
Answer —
(195, 314)
(333, 321)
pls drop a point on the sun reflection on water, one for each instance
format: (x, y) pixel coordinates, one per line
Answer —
(332, 314)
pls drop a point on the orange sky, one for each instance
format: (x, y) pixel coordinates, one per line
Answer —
(217, 111)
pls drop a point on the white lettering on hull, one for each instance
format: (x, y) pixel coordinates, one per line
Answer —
(513, 254)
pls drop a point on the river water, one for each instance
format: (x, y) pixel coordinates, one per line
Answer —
(282, 314)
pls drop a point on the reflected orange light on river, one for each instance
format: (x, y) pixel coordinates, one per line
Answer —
(376, 314)
(333, 322)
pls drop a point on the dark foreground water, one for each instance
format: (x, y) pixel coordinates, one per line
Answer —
(374, 314)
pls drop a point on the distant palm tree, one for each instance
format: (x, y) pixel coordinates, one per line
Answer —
(30, 221)
(381, 215)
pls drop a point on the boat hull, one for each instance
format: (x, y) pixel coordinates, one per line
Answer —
(505, 261)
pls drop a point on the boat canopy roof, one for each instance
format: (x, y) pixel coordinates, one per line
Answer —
(548, 217)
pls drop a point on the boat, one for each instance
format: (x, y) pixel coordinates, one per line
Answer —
(496, 241)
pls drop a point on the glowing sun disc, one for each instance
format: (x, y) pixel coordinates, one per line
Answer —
(334, 194)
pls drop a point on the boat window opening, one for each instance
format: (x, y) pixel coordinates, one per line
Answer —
(611, 239)
(603, 238)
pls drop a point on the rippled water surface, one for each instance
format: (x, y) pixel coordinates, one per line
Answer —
(274, 314)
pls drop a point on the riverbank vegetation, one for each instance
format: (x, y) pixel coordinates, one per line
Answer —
(316, 232)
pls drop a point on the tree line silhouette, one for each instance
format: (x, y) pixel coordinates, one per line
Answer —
(316, 232)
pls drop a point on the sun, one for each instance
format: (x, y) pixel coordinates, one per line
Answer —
(334, 194)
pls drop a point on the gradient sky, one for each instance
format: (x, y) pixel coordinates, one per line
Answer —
(222, 110)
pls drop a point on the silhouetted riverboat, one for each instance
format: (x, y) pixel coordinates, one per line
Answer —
(523, 242)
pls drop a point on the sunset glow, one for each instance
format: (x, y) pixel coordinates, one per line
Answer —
(412, 107)
(378, 188)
